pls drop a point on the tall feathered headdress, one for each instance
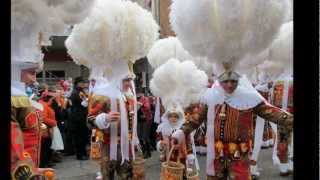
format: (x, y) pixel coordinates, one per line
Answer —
(114, 31)
(281, 50)
(171, 47)
(165, 49)
(32, 23)
(226, 31)
(178, 83)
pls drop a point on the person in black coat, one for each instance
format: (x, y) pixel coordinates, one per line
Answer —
(77, 121)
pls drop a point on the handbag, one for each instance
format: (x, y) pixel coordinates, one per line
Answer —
(57, 142)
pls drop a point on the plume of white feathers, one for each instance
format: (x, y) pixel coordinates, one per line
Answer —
(115, 30)
(204, 64)
(281, 50)
(164, 49)
(171, 47)
(289, 16)
(271, 69)
(29, 17)
(224, 30)
(178, 82)
(248, 64)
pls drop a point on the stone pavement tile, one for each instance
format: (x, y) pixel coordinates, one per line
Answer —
(70, 168)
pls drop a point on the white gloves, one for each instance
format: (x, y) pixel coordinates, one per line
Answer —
(179, 135)
(160, 147)
(84, 103)
(101, 121)
(254, 170)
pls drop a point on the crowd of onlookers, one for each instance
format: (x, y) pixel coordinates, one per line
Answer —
(63, 110)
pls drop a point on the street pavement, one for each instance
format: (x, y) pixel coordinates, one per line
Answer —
(71, 169)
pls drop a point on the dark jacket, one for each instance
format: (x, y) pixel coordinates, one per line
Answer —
(61, 115)
(78, 113)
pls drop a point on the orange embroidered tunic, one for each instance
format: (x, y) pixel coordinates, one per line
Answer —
(28, 120)
(237, 126)
(278, 95)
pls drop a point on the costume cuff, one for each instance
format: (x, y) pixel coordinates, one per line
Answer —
(160, 148)
(84, 103)
(101, 121)
(284, 167)
(179, 135)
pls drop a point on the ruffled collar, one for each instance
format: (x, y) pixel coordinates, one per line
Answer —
(262, 87)
(18, 89)
(166, 127)
(242, 98)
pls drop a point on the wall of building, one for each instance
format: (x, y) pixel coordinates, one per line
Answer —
(71, 69)
(164, 10)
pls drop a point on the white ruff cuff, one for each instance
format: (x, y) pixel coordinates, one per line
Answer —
(284, 167)
(101, 121)
(179, 135)
(84, 103)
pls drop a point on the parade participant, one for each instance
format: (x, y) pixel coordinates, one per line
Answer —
(264, 89)
(172, 121)
(177, 92)
(200, 134)
(25, 113)
(25, 123)
(263, 133)
(229, 109)
(200, 140)
(112, 113)
(282, 97)
(22, 164)
(77, 121)
(281, 51)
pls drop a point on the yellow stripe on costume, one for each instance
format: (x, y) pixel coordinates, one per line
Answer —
(20, 101)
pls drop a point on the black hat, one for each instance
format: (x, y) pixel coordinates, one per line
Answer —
(78, 79)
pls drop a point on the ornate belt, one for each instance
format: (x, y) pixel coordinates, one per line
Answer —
(233, 150)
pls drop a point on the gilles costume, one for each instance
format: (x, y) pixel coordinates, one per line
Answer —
(25, 124)
(116, 141)
(282, 97)
(230, 126)
(164, 133)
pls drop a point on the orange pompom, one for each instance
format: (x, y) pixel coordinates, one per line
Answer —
(49, 174)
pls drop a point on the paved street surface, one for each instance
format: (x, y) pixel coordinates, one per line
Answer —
(71, 169)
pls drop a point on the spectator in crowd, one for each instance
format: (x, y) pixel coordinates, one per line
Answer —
(77, 121)
(69, 147)
(154, 125)
(49, 122)
(144, 124)
(69, 86)
(59, 106)
(92, 85)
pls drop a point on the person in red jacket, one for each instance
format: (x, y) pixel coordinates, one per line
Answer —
(49, 121)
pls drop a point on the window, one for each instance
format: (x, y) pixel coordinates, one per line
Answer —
(51, 77)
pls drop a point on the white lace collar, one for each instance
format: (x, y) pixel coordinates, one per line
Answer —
(18, 89)
(242, 98)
